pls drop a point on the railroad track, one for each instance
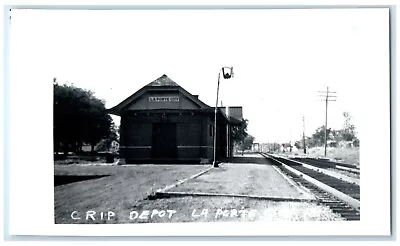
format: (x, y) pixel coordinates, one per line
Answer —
(321, 163)
(340, 196)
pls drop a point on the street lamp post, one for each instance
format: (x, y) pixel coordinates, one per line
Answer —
(227, 72)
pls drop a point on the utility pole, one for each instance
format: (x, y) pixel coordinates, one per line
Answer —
(304, 138)
(330, 96)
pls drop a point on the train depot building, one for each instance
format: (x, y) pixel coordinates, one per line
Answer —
(163, 123)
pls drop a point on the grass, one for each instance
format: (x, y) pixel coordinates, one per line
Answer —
(119, 192)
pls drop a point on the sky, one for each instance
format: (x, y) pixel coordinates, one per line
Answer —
(281, 58)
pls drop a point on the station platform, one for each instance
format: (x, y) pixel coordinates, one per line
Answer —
(247, 177)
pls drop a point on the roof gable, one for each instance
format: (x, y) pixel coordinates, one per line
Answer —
(163, 81)
(162, 84)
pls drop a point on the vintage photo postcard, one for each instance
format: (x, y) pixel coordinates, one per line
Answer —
(271, 122)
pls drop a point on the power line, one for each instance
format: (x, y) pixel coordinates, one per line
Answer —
(330, 96)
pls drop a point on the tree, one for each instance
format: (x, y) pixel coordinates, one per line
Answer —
(348, 132)
(310, 142)
(318, 138)
(113, 135)
(105, 143)
(337, 135)
(298, 144)
(272, 147)
(276, 147)
(239, 133)
(247, 142)
(79, 117)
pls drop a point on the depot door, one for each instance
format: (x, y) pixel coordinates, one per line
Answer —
(164, 140)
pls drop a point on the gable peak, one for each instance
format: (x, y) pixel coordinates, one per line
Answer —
(164, 80)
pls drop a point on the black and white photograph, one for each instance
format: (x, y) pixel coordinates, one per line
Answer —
(208, 116)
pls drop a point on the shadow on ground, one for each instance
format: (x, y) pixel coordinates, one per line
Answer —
(67, 179)
(248, 159)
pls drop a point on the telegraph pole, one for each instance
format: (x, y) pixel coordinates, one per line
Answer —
(330, 96)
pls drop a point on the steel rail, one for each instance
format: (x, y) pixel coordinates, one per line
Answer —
(327, 172)
(354, 203)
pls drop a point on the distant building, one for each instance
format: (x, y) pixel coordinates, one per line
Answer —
(286, 147)
(255, 147)
(162, 122)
